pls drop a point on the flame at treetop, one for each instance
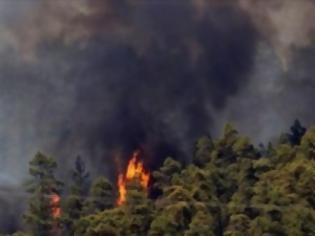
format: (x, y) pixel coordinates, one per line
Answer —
(135, 169)
(55, 205)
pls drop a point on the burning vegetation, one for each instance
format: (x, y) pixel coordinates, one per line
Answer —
(135, 170)
(55, 205)
(231, 188)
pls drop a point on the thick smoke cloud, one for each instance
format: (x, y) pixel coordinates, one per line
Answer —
(103, 78)
(116, 76)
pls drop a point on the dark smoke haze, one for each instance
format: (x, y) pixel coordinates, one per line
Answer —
(103, 78)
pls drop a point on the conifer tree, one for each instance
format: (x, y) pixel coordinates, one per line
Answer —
(133, 217)
(163, 177)
(80, 178)
(203, 149)
(297, 132)
(73, 205)
(138, 209)
(102, 196)
(39, 216)
(231, 189)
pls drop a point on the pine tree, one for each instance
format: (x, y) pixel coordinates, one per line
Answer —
(40, 216)
(131, 218)
(74, 203)
(230, 189)
(138, 209)
(202, 224)
(102, 196)
(203, 149)
(297, 132)
(80, 178)
(295, 135)
(163, 177)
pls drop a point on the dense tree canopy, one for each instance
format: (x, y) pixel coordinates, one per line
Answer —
(231, 188)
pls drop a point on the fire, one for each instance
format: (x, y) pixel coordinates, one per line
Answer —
(55, 205)
(135, 169)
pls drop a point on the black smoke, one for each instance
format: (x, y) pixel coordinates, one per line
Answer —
(160, 99)
(124, 75)
(155, 88)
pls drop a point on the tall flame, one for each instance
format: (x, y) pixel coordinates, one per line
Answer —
(55, 205)
(135, 169)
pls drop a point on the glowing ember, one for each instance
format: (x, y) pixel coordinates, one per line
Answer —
(55, 205)
(135, 169)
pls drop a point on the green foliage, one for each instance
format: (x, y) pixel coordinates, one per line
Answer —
(294, 137)
(73, 205)
(203, 151)
(202, 224)
(43, 185)
(132, 218)
(80, 178)
(238, 225)
(231, 188)
(163, 177)
(109, 222)
(308, 142)
(102, 196)
(72, 211)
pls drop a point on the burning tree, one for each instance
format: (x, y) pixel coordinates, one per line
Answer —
(135, 170)
(133, 199)
(134, 210)
(44, 205)
(231, 188)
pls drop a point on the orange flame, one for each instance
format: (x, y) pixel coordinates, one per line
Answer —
(135, 169)
(55, 205)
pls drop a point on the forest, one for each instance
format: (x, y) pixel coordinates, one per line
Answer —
(231, 187)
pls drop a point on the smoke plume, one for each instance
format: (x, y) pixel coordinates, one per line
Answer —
(110, 77)
(103, 78)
